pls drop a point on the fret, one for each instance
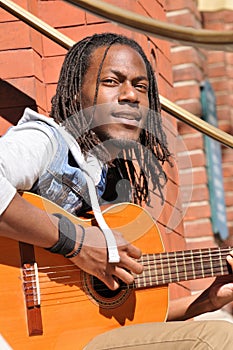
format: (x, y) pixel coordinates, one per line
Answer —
(139, 280)
(176, 266)
(149, 275)
(162, 270)
(155, 275)
(169, 267)
(211, 263)
(145, 276)
(220, 262)
(181, 266)
(192, 264)
(201, 263)
(184, 265)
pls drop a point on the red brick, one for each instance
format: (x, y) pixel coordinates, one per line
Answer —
(186, 19)
(220, 84)
(223, 112)
(230, 229)
(227, 155)
(195, 176)
(173, 242)
(124, 4)
(206, 242)
(152, 10)
(192, 105)
(25, 85)
(36, 41)
(164, 88)
(186, 54)
(18, 64)
(222, 98)
(226, 126)
(229, 198)
(41, 95)
(197, 228)
(51, 48)
(64, 14)
(227, 170)
(185, 129)
(215, 16)
(51, 68)
(229, 58)
(228, 183)
(162, 64)
(180, 4)
(216, 57)
(199, 210)
(187, 72)
(171, 193)
(230, 213)
(200, 193)
(191, 142)
(196, 159)
(6, 16)
(187, 91)
(14, 35)
(50, 92)
(217, 70)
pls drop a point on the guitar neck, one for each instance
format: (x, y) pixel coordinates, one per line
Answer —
(165, 268)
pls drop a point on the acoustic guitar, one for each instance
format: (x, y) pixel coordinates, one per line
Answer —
(46, 302)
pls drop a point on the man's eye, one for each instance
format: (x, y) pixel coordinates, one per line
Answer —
(142, 87)
(109, 81)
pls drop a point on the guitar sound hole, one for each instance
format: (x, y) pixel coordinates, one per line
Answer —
(104, 291)
(101, 295)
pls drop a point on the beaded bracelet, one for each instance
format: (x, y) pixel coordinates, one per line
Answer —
(76, 252)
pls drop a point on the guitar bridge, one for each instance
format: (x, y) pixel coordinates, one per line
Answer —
(31, 286)
(31, 289)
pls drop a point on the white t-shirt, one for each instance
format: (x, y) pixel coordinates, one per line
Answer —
(24, 156)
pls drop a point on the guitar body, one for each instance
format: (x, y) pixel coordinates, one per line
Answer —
(73, 307)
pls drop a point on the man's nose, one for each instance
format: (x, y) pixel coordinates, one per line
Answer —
(128, 93)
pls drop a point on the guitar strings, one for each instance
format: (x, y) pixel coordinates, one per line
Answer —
(216, 253)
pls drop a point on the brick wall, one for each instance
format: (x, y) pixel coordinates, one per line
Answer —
(219, 70)
(188, 73)
(190, 67)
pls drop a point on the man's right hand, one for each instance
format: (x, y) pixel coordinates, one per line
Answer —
(93, 258)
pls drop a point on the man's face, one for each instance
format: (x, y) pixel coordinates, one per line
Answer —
(122, 101)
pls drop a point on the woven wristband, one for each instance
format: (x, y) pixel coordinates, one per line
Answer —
(67, 236)
(77, 251)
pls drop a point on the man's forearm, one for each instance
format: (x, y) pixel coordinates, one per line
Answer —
(24, 222)
(188, 307)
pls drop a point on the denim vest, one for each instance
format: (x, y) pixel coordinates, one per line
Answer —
(65, 184)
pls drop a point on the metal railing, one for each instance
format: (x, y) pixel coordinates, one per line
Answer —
(151, 27)
(208, 39)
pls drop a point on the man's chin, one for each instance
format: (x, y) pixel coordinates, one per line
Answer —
(120, 143)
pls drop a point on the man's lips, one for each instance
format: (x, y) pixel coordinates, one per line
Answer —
(126, 117)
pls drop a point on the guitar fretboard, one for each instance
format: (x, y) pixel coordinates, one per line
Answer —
(164, 268)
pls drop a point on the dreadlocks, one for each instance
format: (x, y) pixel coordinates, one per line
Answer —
(150, 153)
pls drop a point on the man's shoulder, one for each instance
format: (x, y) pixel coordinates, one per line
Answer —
(30, 115)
